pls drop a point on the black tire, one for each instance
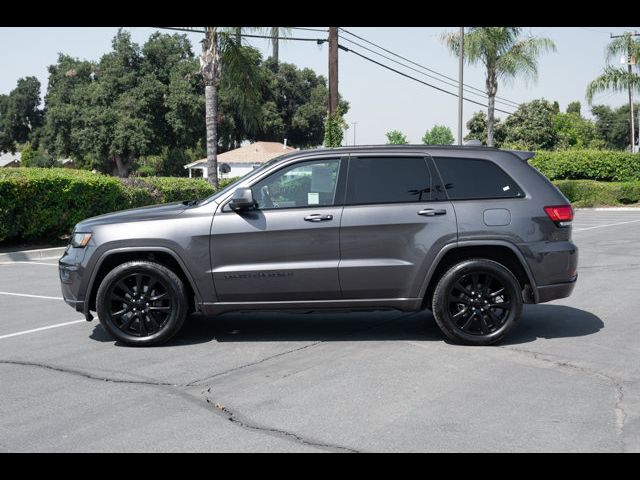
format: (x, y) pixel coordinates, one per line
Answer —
(477, 302)
(142, 303)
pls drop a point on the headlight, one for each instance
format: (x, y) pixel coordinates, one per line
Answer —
(80, 240)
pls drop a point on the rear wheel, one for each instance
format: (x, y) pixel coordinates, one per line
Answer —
(142, 303)
(477, 302)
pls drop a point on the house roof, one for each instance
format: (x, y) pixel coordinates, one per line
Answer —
(258, 152)
(8, 157)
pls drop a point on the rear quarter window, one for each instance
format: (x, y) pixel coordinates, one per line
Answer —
(470, 178)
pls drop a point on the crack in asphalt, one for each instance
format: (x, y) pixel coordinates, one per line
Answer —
(245, 423)
(198, 382)
(195, 383)
(233, 417)
(617, 384)
(88, 375)
(178, 389)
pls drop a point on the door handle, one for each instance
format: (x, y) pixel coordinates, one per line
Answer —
(431, 212)
(318, 217)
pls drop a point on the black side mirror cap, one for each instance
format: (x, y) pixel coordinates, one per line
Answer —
(242, 199)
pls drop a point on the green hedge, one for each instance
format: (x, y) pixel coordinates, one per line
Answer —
(603, 165)
(44, 204)
(590, 193)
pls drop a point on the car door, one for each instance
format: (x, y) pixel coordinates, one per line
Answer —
(395, 221)
(287, 248)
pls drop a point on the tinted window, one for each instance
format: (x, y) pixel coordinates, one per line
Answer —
(306, 184)
(471, 178)
(388, 180)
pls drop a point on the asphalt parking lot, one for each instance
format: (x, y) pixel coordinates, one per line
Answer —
(568, 379)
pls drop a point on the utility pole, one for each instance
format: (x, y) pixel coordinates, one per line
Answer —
(354, 131)
(630, 61)
(460, 76)
(333, 70)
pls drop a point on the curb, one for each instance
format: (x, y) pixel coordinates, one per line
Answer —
(26, 255)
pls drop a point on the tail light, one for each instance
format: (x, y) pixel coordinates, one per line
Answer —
(561, 215)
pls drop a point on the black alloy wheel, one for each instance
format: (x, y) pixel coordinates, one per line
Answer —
(142, 303)
(477, 302)
(139, 304)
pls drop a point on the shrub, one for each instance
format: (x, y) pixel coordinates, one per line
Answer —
(40, 203)
(604, 165)
(44, 203)
(590, 193)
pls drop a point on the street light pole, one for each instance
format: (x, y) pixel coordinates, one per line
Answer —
(354, 131)
(460, 76)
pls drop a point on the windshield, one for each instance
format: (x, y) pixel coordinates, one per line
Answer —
(233, 185)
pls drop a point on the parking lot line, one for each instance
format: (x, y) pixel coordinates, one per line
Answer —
(603, 226)
(32, 296)
(24, 332)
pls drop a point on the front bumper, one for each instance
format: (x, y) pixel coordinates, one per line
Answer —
(70, 269)
(546, 293)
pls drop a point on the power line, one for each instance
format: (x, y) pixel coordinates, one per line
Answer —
(515, 104)
(342, 47)
(593, 30)
(197, 30)
(310, 29)
(483, 95)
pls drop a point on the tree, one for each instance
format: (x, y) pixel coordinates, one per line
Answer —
(294, 105)
(334, 127)
(573, 131)
(275, 33)
(132, 102)
(531, 126)
(20, 116)
(220, 47)
(396, 137)
(574, 107)
(504, 56)
(613, 125)
(619, 79)
(477, 126)
(439, 135)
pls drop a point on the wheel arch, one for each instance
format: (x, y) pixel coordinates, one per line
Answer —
(162, 255)
(502, 252)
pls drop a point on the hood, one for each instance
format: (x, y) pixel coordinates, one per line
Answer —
(153, 212)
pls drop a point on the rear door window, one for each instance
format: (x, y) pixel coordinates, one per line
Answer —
(374, 180)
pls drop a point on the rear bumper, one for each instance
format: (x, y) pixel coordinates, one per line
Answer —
(546, 293)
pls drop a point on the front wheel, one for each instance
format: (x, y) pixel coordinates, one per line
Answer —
(477, 302)
(141, 303)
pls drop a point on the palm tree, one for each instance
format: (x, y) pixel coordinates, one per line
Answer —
(222, 47)
(618, 79)
(504, 55)
(277, 32)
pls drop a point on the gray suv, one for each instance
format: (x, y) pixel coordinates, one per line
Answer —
(470, 233)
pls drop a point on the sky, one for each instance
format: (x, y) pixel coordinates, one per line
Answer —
(380, 100)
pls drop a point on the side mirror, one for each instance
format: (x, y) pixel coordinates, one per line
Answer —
(242, 199)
